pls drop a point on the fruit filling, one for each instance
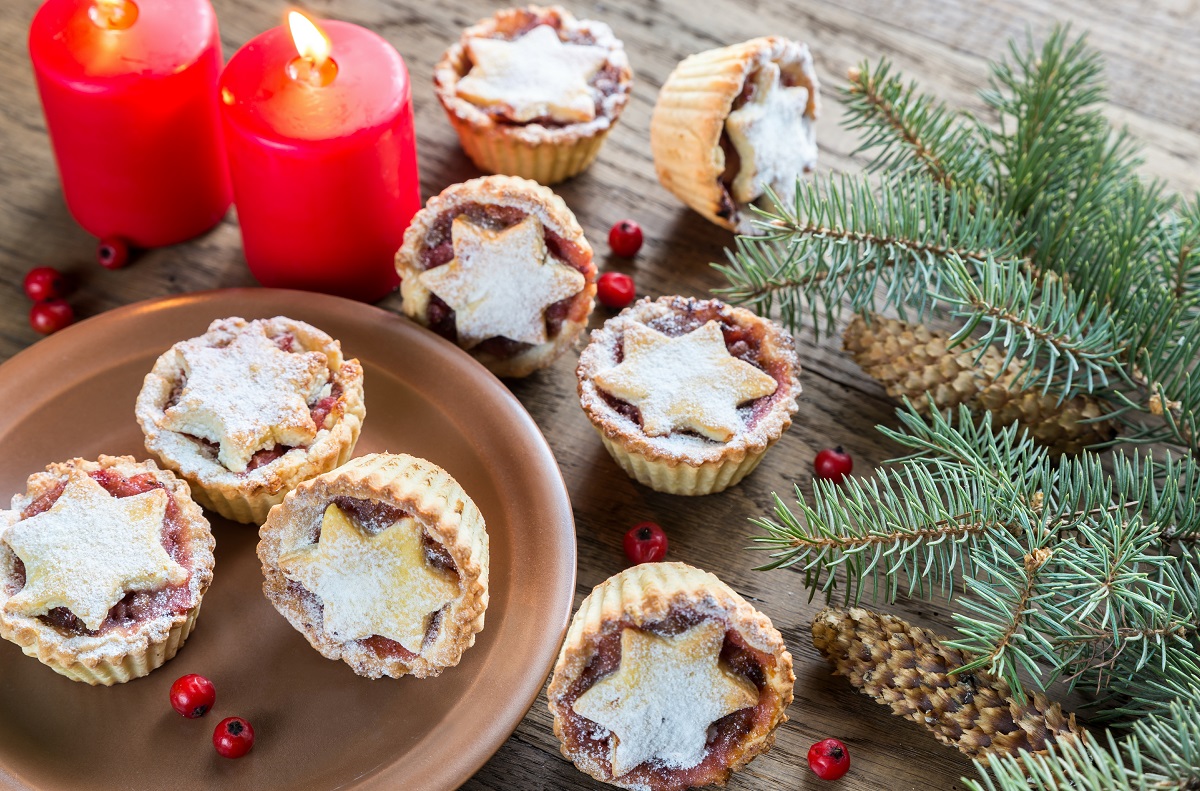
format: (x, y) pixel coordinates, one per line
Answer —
(743, 342)
(581, 735)
(733, 160)
(604, 83)
(136, 606)
(374, 517)
(439, 250)
(323, 411)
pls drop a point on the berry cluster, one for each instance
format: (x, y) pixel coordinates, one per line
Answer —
(192, 696)
(615, 290)
(47, 286)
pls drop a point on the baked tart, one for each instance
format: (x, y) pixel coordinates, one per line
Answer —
(534, 91)
(730, 123)
(500, 266)
(249, 409)
(102, 568)
(686, 394)
(382, 563)
(668, 680)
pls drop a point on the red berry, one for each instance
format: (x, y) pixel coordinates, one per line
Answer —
(829, 759)
(645, 543)
(625, 238)
(615, 290)
(833, 464)
(112, 253)
(193, 695)
(50, 316)
(45, 282)
(233, 737)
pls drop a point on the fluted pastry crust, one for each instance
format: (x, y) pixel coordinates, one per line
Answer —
(248, 496)
(689, 119)
(504, 191)
(546, 154)
(117, 655)
(686, 468)
(442, 509)
(646, 594)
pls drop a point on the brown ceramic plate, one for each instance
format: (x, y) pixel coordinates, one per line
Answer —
(318, 725)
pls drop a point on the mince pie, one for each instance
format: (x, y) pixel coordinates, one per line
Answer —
(102, 568)
(534, 91)
(687, 395)
(250, 409)
(499, 265)
(668, 680)
(730, 123)
(382, 563)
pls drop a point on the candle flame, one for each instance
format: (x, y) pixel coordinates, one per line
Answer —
(310, 41)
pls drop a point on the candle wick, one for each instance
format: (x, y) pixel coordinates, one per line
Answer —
(306, 69)
(113, 14)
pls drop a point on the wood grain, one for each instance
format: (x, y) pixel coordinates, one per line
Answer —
(1152, 61)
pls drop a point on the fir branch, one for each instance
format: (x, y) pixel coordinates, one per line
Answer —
(1134, 691)
(1161, 754)
(911, 133)
(1036, 238)
(1004, 455)
(1179, 255)
(1004, 594)
(1047, 102)
(902, 523)
(1098, 231)
(1058, 333)
(842, 242)
(1163, 375)
(1112, 593)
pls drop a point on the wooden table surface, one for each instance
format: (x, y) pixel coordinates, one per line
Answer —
(1153, 59)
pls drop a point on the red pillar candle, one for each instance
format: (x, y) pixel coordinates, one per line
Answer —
(130, 95)
(319, 129)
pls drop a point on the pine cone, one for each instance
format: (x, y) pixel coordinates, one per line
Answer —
(912, 360)
(907, 668)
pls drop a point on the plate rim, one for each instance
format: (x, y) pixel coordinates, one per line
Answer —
(457, 766)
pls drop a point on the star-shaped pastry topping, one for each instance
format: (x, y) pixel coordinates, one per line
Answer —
(664, 695)
(377, 584)
(501, 282)
(246, 396)
(90, 549)
(773, 137)
(535, 76)
(690, 382)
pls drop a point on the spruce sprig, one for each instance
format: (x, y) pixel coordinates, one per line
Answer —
(842, 243)
(905, 524)
(1162, 753)
(1059, 334)
(910, 132)
(1065, 564)
(1029, 231)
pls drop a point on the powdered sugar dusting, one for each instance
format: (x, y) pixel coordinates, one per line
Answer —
(759, 421)
(690, 382)
(774, 138)
(535, 76)
(501, 281)
(90, 549)
(663, 697)
(245, 395)
(372, 583)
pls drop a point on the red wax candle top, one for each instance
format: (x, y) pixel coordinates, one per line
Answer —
(112, 41)
(362, 87)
